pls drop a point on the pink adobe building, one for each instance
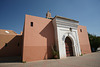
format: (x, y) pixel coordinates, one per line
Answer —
(40, 34)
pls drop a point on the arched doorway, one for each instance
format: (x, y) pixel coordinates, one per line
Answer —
(68, 46)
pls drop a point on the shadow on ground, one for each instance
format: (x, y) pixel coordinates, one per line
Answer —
(10, 59)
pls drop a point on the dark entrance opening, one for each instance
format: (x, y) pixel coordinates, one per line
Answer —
(68, 46)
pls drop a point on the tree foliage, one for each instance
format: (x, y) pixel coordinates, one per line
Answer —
(94, 42)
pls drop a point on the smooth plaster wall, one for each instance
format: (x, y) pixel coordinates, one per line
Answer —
(84, 40)
(37, 39)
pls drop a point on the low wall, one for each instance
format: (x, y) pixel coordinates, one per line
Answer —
(10, 45)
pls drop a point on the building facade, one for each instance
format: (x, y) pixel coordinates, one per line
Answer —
(10, 43)
(40, 34)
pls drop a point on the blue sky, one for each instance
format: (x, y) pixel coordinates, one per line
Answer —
(87, 12)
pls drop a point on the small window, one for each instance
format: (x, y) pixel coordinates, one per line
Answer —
(80, 30)
(18, 44)
(31, 24)
(5, 44)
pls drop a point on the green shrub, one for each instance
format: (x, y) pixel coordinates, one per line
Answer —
(55, 52)
(81, 55)
(23, 61)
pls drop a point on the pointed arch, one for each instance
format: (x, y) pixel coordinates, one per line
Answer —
(68, 47)
(69, 35)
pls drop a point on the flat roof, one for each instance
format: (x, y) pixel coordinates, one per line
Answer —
(3, 31)
(66, 18)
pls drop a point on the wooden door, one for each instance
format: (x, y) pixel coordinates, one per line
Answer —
(68, 46)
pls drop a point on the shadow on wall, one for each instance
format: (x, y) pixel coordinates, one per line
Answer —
(48, 33)
(12, 51)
